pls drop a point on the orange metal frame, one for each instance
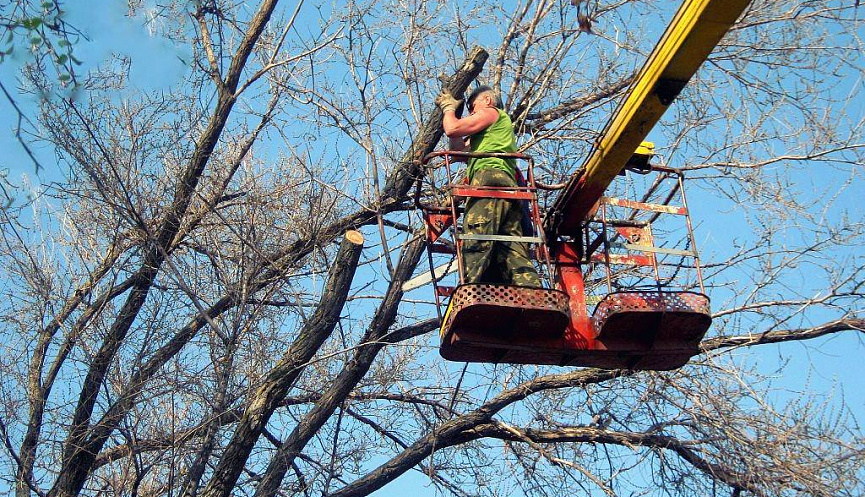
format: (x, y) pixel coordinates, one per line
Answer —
(439, 218)
(667, 343)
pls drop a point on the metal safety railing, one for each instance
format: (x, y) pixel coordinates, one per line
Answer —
(636, 238)
(444, 216)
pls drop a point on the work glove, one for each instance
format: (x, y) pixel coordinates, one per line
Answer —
(447, 102)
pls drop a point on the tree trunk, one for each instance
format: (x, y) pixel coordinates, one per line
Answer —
(348, 378)
(279, 379)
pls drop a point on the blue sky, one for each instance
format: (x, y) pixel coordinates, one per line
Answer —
(830, 365)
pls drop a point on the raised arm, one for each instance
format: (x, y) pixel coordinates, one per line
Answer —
(455, 127)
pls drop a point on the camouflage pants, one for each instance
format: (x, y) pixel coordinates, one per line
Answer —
(493, 261)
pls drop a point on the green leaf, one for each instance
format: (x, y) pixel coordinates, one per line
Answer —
(63, 43)
(31, 23)
(47, 5)
(36, 40)
(61, 59)
(64, 77)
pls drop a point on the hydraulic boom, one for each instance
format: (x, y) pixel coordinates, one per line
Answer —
(696, 29)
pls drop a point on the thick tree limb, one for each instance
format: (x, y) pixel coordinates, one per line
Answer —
(458, 430)
(585, 434)
(846, 324)
(399, 182)
(279, 379)
(348, 378)
(461, 429)
(76, 460)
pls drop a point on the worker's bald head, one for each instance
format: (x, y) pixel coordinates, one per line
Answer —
(485, 90)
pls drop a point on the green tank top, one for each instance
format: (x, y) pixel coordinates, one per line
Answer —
(498, 137)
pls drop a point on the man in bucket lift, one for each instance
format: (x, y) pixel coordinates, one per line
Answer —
(489, 129)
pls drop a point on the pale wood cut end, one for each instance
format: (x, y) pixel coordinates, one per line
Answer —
(354, 237)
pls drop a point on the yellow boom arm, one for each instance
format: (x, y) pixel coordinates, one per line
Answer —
(696, 29)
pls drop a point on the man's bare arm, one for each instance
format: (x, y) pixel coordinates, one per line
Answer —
(455, 127)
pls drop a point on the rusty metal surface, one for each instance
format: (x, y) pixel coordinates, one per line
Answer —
(515, 193)
(436, 225)
(661, 329)
(505, 310)
(638, 330)
(666, 209)
(641, 332)
(485, 322)
(649, 301)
